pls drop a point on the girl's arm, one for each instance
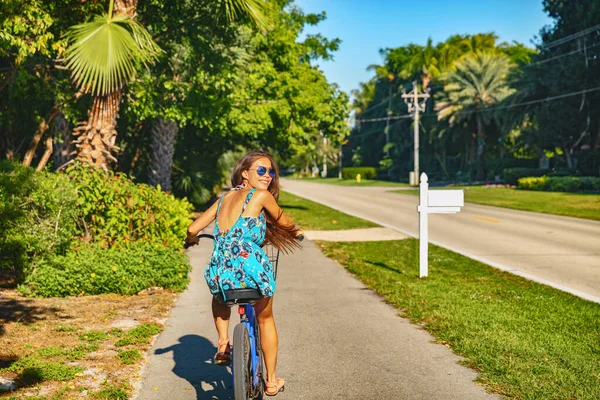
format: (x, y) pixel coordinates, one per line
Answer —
(201, 222)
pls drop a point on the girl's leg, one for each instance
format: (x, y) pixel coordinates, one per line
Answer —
(221, 315)
(268, 337)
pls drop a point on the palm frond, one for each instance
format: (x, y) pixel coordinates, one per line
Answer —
(257, 10)
(104, 53)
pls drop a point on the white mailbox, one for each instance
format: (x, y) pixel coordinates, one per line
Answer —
(446, 198)
(436, 202)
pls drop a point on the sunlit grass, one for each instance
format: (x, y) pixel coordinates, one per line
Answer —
(529, 341)
(312, 216)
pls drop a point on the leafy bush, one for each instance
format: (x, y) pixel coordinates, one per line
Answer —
(365, 172)
(91, 269)
(38, 216)
(117, 211)
(512, 175)
(561, 184)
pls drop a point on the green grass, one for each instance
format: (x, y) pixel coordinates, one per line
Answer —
(568, 204)
(31, 370)
(92, 336)
(138, 335)
(312, 216)
(129, 357)
(352, 182)
(529, 341)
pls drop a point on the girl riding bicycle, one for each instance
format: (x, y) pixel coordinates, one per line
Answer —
(238, 260)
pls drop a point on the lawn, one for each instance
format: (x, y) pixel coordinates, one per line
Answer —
(568, 204)
(312, 216)
(528, 341)
(352, 182)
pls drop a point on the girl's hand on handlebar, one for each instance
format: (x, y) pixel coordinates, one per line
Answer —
(191, 241)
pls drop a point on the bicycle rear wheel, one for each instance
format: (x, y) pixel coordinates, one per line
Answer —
(242, 364)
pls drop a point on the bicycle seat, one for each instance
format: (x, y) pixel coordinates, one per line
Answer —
(239, 296)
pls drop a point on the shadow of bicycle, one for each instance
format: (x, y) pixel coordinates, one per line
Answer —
(193, 362)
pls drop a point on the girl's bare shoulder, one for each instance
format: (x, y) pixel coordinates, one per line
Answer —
(263, 194)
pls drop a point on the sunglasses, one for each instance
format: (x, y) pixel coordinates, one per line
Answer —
(263, 170)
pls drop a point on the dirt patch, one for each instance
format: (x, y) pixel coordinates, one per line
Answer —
(72, 345)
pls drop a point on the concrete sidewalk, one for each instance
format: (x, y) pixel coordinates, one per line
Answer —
(338, 340)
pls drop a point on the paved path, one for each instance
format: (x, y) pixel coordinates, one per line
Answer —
(562, 252)
(338, 340)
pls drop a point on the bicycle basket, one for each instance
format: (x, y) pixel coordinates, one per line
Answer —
(273, 254)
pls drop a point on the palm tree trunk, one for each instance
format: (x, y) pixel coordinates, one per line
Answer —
(163, 145)
(96, 138)
(480, 150)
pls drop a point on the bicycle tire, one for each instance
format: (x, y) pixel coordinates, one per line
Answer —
(242, 364)
(262, 386)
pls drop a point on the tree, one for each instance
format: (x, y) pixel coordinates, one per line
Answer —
(477, 83)
(103, 56)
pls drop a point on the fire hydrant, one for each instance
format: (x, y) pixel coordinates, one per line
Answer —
(358, 178)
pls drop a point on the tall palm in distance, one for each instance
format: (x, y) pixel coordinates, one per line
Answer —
(477, 83)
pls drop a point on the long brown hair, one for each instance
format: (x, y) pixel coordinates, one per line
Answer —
(283, 237)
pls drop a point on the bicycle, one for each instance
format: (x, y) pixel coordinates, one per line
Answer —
(248, 362)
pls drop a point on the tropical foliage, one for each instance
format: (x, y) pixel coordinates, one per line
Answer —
(492, 106)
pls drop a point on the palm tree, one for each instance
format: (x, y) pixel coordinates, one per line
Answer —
(477, 83)
(103, 56)
(424, 62)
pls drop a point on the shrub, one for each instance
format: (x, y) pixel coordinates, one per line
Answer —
(512, 175)
(92, 269)
(117, 211)
(85, 232)
(561, 184)
(365, 172)
(37, 217)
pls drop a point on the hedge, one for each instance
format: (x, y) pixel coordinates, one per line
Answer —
(561, 184)
(512, 175)
(61, 229)
(365, 172)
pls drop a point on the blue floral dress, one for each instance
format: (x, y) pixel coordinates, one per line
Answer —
(237, 261)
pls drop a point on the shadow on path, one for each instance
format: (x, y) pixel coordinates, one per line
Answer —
(193, 362)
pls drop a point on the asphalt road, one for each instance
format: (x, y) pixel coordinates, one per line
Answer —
(562, 252)
(338, 340)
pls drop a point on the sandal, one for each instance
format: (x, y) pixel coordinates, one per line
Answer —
(223, 357)
(272, 390)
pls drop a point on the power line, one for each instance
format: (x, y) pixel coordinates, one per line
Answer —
(372, 131)
(380, 104)
(384, 118)
(525, 103)
(560, 56)
(573, 36)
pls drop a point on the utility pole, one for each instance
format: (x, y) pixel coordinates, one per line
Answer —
(412, 99)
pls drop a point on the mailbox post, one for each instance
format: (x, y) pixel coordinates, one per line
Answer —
(435, 202)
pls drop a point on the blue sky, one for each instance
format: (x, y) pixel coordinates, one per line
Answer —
(366, 26)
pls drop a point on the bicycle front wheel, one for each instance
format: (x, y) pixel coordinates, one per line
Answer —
(242, 363)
